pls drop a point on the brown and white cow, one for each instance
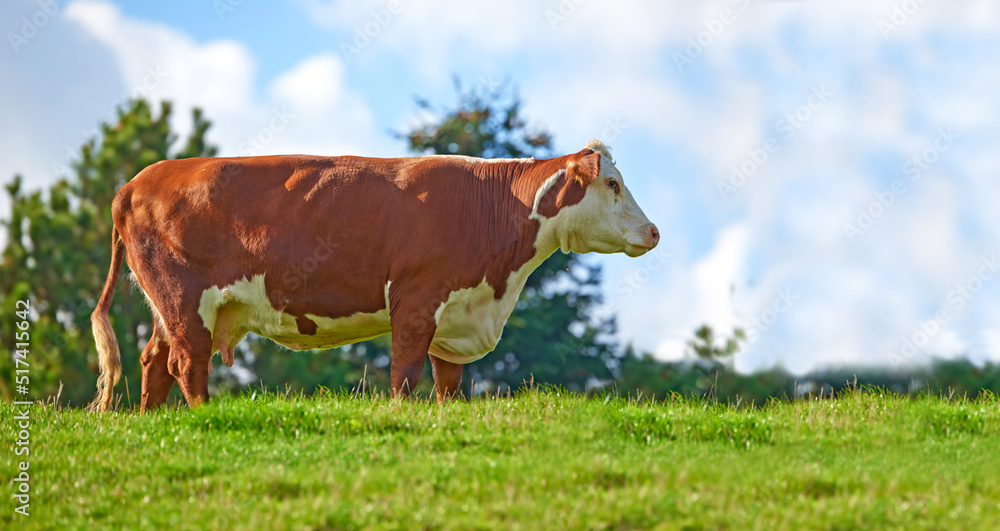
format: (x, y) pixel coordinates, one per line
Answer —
(317, 252)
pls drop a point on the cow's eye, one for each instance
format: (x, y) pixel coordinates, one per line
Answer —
(613, 184)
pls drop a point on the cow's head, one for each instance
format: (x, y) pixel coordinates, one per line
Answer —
(592, 209)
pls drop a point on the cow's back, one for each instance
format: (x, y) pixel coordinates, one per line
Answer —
(208, 203)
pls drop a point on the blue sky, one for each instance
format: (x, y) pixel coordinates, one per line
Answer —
(823, 173)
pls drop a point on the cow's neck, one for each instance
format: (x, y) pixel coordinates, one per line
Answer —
(551, 234)
(534, 238)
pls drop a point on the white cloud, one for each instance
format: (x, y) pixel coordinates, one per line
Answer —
(315, 84)
(306, 109)
(47, 96)
(888, 101)
(166, 64)
(716, 275)
(327, 118)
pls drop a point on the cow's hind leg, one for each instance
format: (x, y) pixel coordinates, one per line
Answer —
(156, 378)
(190, 355)
(447, 378)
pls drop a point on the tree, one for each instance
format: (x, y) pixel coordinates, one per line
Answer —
(706, 346)
(58, 251)
(486, 124)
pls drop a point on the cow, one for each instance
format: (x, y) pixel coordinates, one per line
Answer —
(318, 252)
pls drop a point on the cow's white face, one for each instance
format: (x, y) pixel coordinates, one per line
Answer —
(607, 219)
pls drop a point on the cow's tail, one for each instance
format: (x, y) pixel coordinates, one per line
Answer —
(108, 356)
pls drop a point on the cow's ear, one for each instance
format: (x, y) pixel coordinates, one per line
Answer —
(585, 167)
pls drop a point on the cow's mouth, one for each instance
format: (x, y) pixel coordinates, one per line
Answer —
(634, 250)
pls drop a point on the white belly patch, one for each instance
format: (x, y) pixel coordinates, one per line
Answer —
(243, 306)
(469, 323)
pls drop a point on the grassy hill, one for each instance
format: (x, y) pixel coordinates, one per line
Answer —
(540, 460)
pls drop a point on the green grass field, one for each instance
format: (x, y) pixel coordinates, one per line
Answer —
(540, 460)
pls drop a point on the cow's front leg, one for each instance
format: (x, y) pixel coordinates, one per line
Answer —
(447, 378)
(188, 364)
(412, 331)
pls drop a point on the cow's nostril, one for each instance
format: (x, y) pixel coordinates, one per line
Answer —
(655, 234)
